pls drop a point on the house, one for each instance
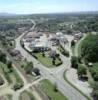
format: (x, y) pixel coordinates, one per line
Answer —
(63, 39)
(39, 46)
(14, 52)
(77, 36)
(28, 39)
(59, 34)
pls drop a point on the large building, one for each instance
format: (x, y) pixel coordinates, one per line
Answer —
(39, 46)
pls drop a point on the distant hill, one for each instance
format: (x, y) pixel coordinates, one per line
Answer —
(6, 14)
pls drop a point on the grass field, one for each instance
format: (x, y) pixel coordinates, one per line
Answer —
(47, 61)
(48, 88)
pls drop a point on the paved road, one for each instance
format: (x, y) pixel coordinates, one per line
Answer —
(55, 75)
(77, 45)
(7, 89)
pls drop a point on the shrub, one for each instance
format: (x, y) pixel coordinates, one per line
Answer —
(17, 86)
(36, 71)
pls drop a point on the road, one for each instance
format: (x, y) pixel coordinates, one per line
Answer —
(6, 89)
(55, 75)
(77, 45)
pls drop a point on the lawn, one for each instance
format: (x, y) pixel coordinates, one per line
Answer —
(26, 96)
(48, 88)
(47, 61)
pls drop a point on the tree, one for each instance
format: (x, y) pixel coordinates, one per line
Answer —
(81, 71)
(89, 48)
(72, 43)
(36, 71)
(3, 57)
(57, 55)
(79, 59)
(94, 85)
(43, 54)
(53, 60)
(74, 62)
(1, 81)
(96, 77)
(29, 68)
(9, 64)
(55, 87)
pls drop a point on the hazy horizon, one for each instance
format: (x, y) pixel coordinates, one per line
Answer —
(47, 6)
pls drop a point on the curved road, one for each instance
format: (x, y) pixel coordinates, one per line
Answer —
(55, 75)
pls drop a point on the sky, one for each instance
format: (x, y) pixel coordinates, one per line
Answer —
(47, 6)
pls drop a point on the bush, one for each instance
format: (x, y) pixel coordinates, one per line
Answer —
(17, 86)
(59, 64)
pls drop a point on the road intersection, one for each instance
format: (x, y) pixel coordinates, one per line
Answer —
(55, 75)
